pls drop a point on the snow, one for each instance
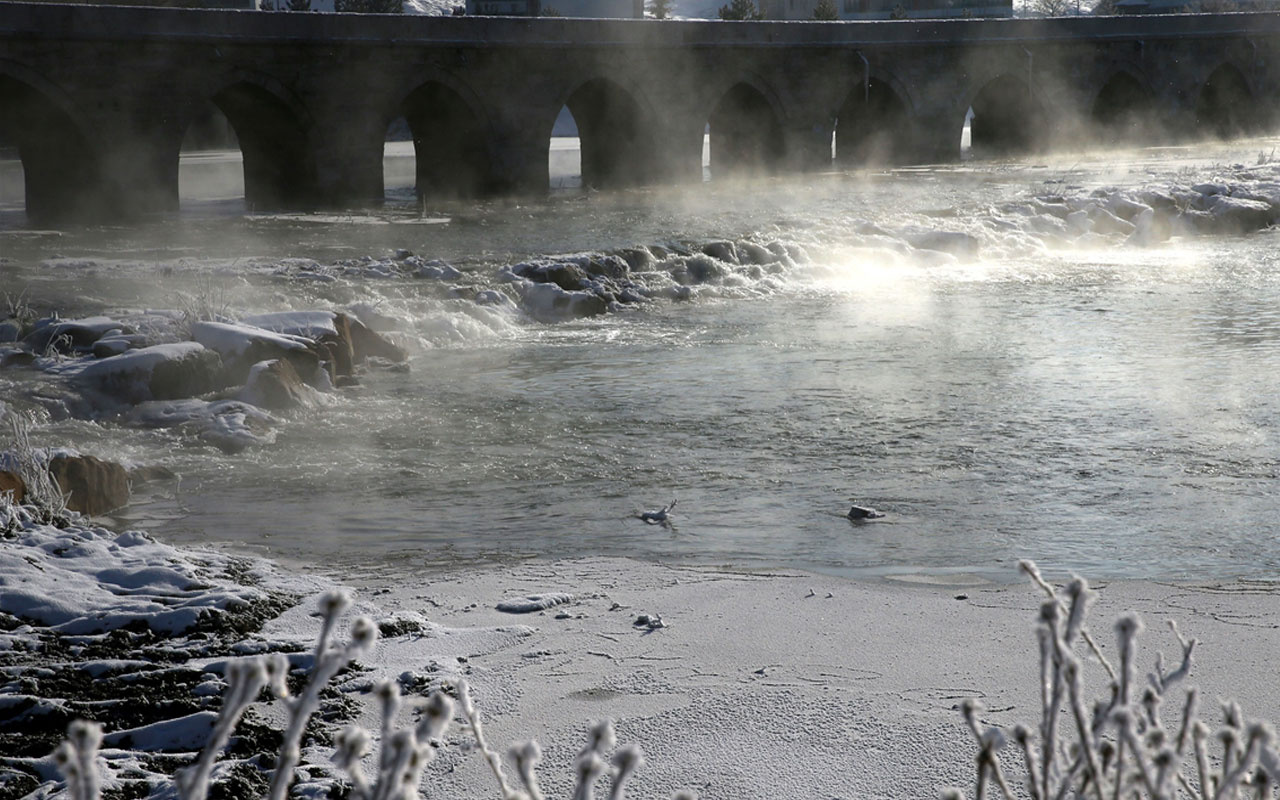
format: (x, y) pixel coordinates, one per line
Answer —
(184, 733)
(230, 425)
(535, 602)
(128, 376)
(86, 580)
(786, 685)
(231, 340)
(141, 361)
(307, 324)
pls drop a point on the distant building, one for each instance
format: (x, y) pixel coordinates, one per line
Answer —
(1189, 6)
(241, 4)
(607, 9)
(890, 9)
(1153, 6)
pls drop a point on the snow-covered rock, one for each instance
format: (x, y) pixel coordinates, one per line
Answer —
(305, 324)
(241, 346)
(159, 372)
(91, 485)
(329, 331)
(1236, 215)
(1124, 208)
(374, 319)
(1106, 222)
(275, 385)
(960, 245)
(115, 343)
(229, 425)
(68, 336)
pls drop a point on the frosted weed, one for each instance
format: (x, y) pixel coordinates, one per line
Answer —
(43, 495)
(1118, 746)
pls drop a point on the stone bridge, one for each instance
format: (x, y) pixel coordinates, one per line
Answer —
(97, 99)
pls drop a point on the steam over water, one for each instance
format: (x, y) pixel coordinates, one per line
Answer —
(1092, 404)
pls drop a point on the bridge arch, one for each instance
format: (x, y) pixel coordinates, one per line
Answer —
(873, 124)
(616, 139)
(61, 168)
(1007, 118)
(451, 142)
(1124, 110)
(273, 129)
(746, 130)
(1225, 104)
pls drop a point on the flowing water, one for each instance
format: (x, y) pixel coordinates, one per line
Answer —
(1090, 404)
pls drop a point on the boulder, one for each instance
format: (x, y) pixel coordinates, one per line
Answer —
(1197, 222)
(703, 269)
(374, 319)
(1078, 222)
(16, 358)
(1210, 189)
(546, 301)
(229, 425)
(1236, 215)
(10, 331)
(1059, 209)
(569, 277)
(960, 245)
(275, 385)
(437, 270)
(724, 251)
(160, 372)
(1151, 228)
(329, 331)
(115, 343)
(69, 336)
(243, 345)
(752, 253)
(1124, 208)
(1106, 222)
(92, 486)
(1159, 200)
(612, 267)
(367, 344)
(639, 259)
(12, 482)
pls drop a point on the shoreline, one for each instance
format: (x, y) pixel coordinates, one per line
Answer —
(785, 685)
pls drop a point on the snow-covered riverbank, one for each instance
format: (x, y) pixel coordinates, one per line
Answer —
(783, 685)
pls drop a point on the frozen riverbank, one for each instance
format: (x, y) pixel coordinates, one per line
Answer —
(783, 685)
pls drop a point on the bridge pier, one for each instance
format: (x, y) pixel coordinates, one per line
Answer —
(935, 137)
(347, 146)
(137, 172)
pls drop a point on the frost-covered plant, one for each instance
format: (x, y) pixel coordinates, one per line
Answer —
(245, 679)
(31, 465)
(328, 660)
(1118, 746)
(404, 752)
(206, 301)
(18, 309)
(77, 757)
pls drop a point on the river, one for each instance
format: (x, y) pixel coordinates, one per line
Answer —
(1093, 405)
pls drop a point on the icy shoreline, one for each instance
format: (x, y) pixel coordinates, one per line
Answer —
(784, 685)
